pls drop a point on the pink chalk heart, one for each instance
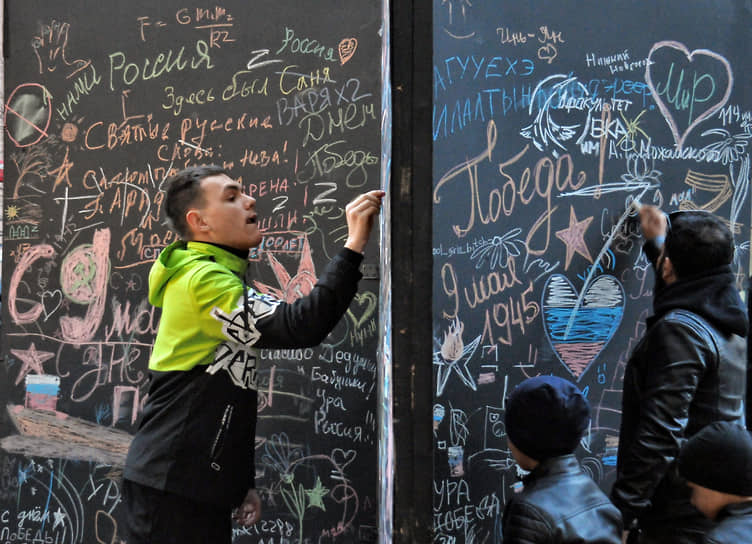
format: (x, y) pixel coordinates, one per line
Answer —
(347, 49)
(342, 458)
(680, 91)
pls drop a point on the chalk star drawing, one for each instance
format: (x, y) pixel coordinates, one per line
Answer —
(574, 237)
(292, 287)
(32, 360)
(454, 357)
(59, 518)
(316, 495)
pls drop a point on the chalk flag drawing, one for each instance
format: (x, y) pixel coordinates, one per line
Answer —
(712, 104)
(593, 325)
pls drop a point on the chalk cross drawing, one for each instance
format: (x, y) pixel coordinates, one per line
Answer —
(711, 108)
(592, 327)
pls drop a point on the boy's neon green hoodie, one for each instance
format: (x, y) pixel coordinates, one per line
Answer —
(202, 305)
(197, 429)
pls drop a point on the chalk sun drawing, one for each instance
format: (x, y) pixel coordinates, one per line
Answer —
(593, 325)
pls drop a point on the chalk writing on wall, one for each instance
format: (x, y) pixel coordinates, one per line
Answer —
(102, 106)
(545, 130)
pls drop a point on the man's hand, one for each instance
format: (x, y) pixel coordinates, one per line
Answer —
(249, 512)
(653, 222)
(360, 213)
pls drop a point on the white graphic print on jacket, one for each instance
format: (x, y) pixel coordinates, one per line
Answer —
(236, 355)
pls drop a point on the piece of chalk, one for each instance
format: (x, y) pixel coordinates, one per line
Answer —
(635, 205)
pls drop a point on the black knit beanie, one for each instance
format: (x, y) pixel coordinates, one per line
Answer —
(546, 416)
(719, 457)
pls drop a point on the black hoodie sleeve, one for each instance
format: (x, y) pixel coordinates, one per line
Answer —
(308, 320)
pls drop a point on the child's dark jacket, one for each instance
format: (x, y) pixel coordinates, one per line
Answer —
(559, 505)
(734, 525)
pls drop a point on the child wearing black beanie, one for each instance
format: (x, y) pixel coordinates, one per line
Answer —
(717, 464)
(545, 418)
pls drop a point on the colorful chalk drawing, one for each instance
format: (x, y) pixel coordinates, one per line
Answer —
(27, 116)
(685, 100)
(291, 287)
(454, 356)
(42, 391)
(84, 221)
(300, 486)
(593, 325)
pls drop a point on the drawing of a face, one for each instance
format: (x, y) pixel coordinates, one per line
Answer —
(494, 428)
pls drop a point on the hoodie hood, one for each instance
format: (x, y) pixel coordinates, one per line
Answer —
(712, 295)
(173, 259)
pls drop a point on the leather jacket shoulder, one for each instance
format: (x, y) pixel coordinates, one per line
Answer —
(561, 504)
(683, 375)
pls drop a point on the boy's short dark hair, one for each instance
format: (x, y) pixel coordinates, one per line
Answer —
(697, 241)
(183, 191)
(546, 416)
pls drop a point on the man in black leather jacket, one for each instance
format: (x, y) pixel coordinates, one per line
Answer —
(545, 418)
(717, 464)
(688, 370)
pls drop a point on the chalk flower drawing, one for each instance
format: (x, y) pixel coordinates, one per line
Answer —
(498, 250)
(280, 455)
(730, 147)
(741, 189)
(640, 176)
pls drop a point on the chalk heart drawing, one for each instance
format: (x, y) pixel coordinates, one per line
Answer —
(343, 458)
(579, 333)
(710, 106)
(367, 302)
(347, 49)
(51, 302)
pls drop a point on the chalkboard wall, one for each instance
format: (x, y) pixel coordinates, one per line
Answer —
(549, 118)
(106, 99)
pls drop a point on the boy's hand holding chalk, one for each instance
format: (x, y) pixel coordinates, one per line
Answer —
(653, 222)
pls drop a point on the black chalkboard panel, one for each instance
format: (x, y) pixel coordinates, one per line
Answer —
(104, 100)
(549, 118)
